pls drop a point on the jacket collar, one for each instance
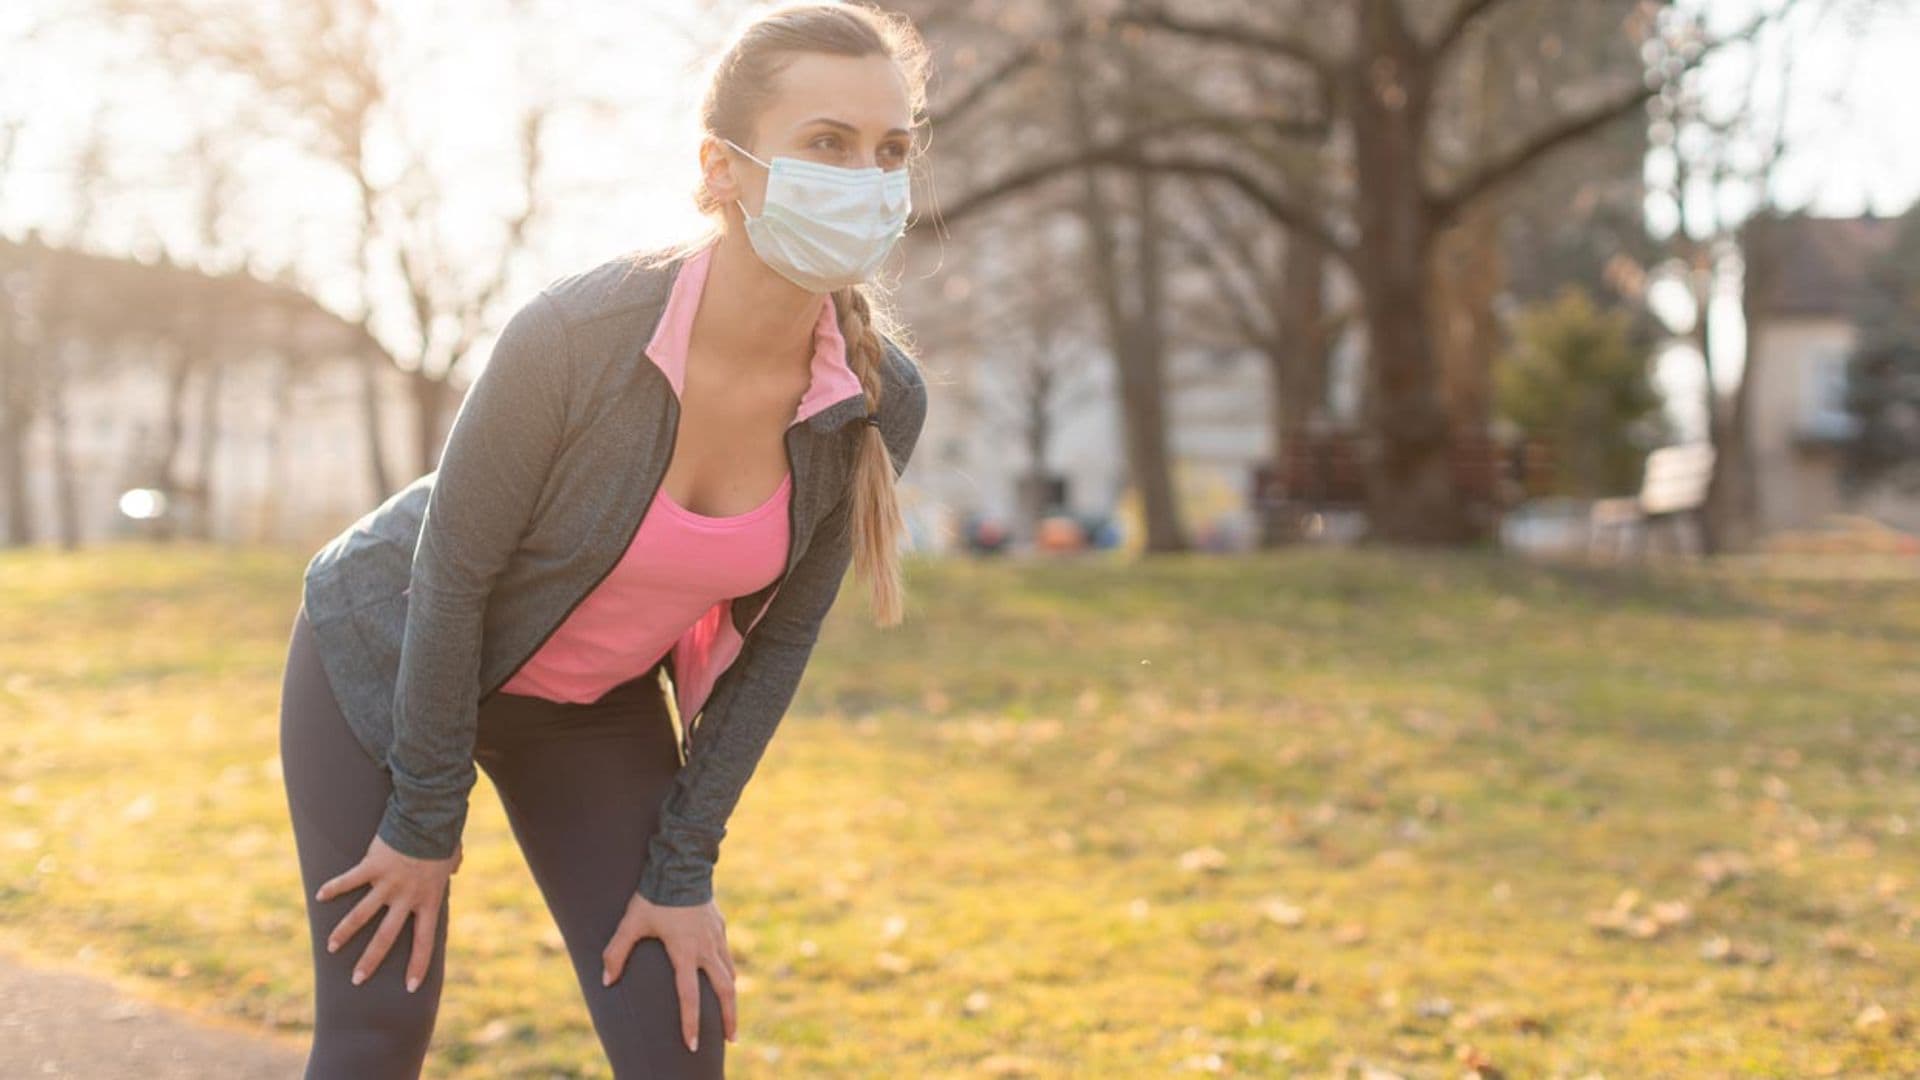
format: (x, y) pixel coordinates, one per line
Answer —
(834, 395)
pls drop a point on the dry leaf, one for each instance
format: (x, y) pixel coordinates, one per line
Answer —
(1209, 859)
(1278, 910)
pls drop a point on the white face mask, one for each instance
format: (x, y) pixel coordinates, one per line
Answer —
(823, 227)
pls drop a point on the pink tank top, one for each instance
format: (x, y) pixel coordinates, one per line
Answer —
(678, 564)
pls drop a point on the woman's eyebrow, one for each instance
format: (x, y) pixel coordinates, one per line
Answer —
(844, 126)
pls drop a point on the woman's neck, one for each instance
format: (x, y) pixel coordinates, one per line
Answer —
(751, 314)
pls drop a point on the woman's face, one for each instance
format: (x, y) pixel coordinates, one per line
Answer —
(835, 110)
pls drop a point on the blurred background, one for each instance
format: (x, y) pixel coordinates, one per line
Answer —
(1494, 423)
(1182, 289)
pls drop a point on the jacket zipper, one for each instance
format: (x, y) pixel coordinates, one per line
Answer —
(793, 532)
(686, 723)
(673, 435)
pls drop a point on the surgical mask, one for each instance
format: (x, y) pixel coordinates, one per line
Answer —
(824, 227)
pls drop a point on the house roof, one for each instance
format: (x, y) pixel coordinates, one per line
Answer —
(1823, 263)
(104, 296)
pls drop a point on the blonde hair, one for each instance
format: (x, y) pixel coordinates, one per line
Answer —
(743, 84)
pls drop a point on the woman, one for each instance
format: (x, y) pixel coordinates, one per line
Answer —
(667, 467)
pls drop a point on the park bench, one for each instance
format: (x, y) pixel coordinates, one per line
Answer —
(1672, 497)
(1326, 471)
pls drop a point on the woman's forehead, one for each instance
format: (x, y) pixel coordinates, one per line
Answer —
(867, 92)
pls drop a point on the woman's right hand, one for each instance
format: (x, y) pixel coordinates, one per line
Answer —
(405, 886)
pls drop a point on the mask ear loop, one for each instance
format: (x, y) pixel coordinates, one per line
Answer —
(756, 161)
(745, 151)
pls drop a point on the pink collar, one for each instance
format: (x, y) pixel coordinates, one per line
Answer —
(833, 379)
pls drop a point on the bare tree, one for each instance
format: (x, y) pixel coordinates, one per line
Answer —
(1378, 71)
(20, 387)
(333, 71)
(1723, 159)
(1039, 347)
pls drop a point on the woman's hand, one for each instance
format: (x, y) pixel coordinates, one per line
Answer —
(696, 939)
(404, 886)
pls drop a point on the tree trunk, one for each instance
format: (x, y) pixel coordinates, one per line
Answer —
(165, 473)
(1143, 380)
(66, 497)
(1133, 336)
(1731, 516)
(266, 527)
(1410, 490)
(1039, 435)
(370, 416)
(430, 402)
(1297, 359)
(1467, 276)
(16, 413)
(203, 527)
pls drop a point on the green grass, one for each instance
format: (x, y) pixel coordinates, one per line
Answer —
(1300, 814)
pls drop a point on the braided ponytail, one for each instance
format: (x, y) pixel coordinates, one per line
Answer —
(876, 523)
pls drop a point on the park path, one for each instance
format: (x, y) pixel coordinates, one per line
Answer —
(65, 1024)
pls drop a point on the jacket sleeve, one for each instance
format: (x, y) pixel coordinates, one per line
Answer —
(492, 469)
(752, 695)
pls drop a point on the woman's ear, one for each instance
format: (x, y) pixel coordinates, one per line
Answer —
(716, 169)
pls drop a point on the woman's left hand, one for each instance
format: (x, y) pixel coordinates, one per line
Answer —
(696, 939)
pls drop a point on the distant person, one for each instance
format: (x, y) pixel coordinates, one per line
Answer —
(667, 467)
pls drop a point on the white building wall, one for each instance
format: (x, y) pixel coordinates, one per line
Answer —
(1800, 370)
(115, 418)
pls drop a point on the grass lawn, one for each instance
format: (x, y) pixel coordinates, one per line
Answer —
(1313, 813)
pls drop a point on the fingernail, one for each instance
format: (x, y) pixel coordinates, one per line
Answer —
(693, 1043)
(412, 985)
(332, 947)
(359, 977)
(606, 978)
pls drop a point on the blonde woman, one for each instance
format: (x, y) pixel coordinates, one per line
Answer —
(666, 468)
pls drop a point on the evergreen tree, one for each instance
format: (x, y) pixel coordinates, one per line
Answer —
(1883, 374)
(1577, 378)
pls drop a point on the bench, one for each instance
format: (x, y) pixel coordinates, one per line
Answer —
(1673, 495)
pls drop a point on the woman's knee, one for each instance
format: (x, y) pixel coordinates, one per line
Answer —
(378, 1028)
(638, 1018)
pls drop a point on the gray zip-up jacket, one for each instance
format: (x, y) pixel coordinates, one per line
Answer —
(430, 602)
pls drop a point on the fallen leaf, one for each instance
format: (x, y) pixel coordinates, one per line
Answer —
(1278, 910)
(1209, 859)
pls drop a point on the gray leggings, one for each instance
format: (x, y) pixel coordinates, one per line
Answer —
(582, 786)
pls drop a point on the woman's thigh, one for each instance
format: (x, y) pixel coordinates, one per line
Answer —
(582, 787)
(336, 794)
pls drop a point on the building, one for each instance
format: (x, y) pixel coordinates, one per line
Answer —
(232, 407)
(1800, 334)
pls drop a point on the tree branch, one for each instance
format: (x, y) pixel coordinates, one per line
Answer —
(1447, 205)
(1128, 154)
(1224, 32)
(968, 99)
(1463, 18)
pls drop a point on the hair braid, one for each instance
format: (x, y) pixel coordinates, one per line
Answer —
(876, 523)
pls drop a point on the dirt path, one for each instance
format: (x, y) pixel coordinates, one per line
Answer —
(62, 1024)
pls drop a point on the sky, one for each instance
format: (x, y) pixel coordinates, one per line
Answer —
(611, 190)
(624, 173)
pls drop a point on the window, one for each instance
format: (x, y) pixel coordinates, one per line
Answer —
(1823, 395)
